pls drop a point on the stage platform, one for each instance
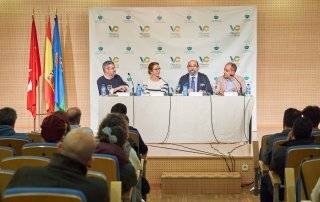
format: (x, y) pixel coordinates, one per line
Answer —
(169, 159)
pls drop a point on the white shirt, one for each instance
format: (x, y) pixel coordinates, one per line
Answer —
(155, 85)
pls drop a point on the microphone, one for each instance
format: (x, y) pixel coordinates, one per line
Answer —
(166, 83)
(131, 80)
(241, 93)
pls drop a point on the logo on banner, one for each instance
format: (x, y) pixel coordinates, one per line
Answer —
(113, 31)
(175, 31)
(144, 61)
(175, 62)
(128, 50)
(159, 19)
(204, 61)
(216, 18)
(160, 49)
(235, 30)
(100, 19)
(247, 46)
(189, 50)
(144, 31)
(204, 31)
(115, 60)
(247, 16)
(235, 59)
(216, 48)
(189, 19)
(128, 18)
(100, 50)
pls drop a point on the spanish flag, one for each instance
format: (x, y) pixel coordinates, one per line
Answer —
(48, 72)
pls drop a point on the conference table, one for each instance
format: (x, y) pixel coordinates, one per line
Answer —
(185, 119)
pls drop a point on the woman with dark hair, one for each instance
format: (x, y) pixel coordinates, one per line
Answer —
(155, 82)
(112, 135)
(54, 128)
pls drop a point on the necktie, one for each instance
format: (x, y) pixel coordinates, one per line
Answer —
(193, 85)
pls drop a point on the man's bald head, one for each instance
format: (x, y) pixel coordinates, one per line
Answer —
(79, 144)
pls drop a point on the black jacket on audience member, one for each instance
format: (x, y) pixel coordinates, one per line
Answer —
(62, 172)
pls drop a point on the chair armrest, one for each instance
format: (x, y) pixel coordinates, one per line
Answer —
(115, 191)
(276, 182)
(264, 168)
(290, 190)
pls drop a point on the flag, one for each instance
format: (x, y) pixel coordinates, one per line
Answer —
(58, 69)
(48, 72)
(34, 71)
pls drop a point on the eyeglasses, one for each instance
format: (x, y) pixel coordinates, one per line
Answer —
(157, 69)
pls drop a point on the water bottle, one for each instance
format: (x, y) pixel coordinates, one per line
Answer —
(103, 90)
(185, 90)
(138, 90)
(248, 91)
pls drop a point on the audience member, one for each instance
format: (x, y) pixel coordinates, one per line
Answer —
(143, 148)
(8, 117)
(53, 128)
(74, 116)
(112, 134)
(67, 169)
(300, 135)
(289, 116)
(313, 113)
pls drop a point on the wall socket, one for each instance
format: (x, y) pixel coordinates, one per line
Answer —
(244, 167)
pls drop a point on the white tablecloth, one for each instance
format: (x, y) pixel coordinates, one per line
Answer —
(179, 119)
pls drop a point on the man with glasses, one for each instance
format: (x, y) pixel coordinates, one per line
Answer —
(194, 80)
(110, 82)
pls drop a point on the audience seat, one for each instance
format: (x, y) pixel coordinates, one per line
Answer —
(108, 165)
(35, 137)
(16, 162)
(16, 142)
(47, 194)
(310, 173)
(6, 152)
(39, 149)
(295, 156)
(5, 178)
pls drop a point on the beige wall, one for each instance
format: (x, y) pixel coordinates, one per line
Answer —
(288, 51)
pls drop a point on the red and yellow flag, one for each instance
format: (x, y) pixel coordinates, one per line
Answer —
(48, 72)
(34, 71)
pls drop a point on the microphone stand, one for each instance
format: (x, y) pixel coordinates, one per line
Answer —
(130, 79)
(167, 85)
(241, 93)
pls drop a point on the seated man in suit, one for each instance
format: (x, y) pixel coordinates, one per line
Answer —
(290, 115)
(110, 78)
(230, 82)
(67, 169)
(313, 113)
(300, 135)
(194, 80)
(8, 117)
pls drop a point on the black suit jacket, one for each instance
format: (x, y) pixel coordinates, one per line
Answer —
(202, 78)
(279, 157)
(62, 172)
(266, 155)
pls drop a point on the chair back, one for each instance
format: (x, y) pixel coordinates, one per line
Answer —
(290, 185)
(35, 137)
(47, 194)
(6, 152)
(96, 174)
(277, 144)
(134, 137)
(316, 139)
(263, 145)
(15, 142)
(108, 165)
(296, 154)
(16, 162)
(39, 149)
(5, 178)
(310, 173)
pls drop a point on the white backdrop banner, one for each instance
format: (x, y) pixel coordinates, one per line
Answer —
(134, 37)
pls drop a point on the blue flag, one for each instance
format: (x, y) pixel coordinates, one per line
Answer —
(58, 69)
